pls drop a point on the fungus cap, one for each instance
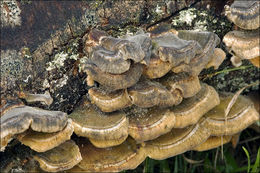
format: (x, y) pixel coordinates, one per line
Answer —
(192, 109)
(60, 158)
(213, 142)
(127, 155)
(207, 41)
(217, 58)
(177, 141)
(241, 115)
(42, 142)
(174, 49)
(156, 68)
(115, 81)
(148, 124)
(89, 122)
(243, 44)
(146, 93)
(187, 85)
(109, 101)
(19, 119)
(244, 14)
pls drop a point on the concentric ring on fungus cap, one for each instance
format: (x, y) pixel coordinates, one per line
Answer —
(208, 41)
(183, 83)
(109, 101)
(241, 115)
(156, 68)
(243, 44)
(102, 129)
(244, 14)
(115, 81)
(42, 142)
(147, 124)
(113, 55)
(146, 93)
(177, 141)
(127, 155)
(192, 109)
(60, 158)
(175, 50)
(19, 119)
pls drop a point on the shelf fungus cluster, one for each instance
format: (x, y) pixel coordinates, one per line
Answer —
(244, 43)
(145, 100)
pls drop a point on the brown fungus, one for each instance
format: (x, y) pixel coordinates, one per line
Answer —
(192, 109)
(113, 55)
(109, 101)
(147, 124)
(241, 115)
(244, 14)
(148, 93)
(243, 45)
(144, 40)
(127, 155)
(43, 98)
(217, 58)
(103, 130)
(109, 61)
(213, 142)
(156, 68)
(60, 158)
(177, 141)
(208, 42)
(19, 119)
(115, 81)
(171, 48)
(181, 83)
(41, 142)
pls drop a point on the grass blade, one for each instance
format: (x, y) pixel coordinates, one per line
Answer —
(256, 166)
(248, 159)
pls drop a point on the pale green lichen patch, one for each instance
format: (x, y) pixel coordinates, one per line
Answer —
(60, 57)
(201, 20)
(185, 17)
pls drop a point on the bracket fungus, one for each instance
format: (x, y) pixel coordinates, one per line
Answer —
(181, 83)
(103, 130)
(147, 93)
(113, 55)
(171, 48)
(241, 115)
(18, 119)
(148, 124)
(60, 158)
(177, 141)
(243, 45)
(213, 142)
(128, 155)
(109, 101)
(192, 109)
(115, 81)
(41, 142)
(208, 41)
(244, 14)
(149, 102)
